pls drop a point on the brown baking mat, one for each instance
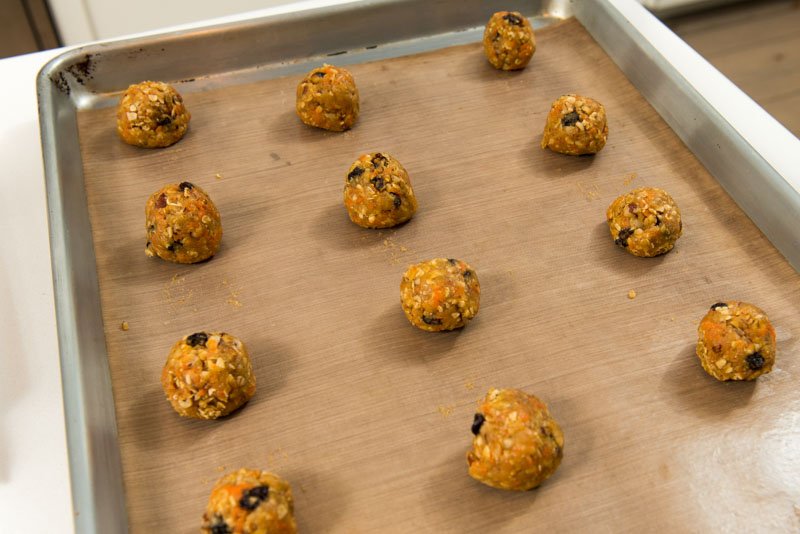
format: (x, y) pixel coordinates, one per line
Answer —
(368, 417)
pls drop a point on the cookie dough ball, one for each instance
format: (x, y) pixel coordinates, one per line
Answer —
(508, 41)
(328, 98)
(250, 501)
(151, 115)
(440, 294)
(208, 375)
(182, 223)
(735, 341)
(646, 222)
(576, 125)
(378, 193)
(517, 445)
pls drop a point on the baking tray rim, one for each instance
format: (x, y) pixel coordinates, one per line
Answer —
(624, 29)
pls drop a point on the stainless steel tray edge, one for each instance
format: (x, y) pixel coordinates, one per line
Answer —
(95, 467)
(675, 80)
(280, 44)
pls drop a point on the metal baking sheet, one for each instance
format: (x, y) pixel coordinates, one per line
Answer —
(222, 59)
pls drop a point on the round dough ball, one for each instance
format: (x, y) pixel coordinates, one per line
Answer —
(208, 375)
(646, 222)
(508, 41)
(328, 98)
(576, 125)
(250, 501)
(440, 294)
(378, 193)
(517, 445)
(182, 223)
(735, 341)
(151, 115)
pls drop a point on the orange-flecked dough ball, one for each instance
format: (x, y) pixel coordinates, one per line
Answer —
(646, 222)
(575, 126)
(736, 341)
(250, 501)
(208, 375)
(328, 98)
(508, 41)
(378, 193)
(182, 223)
(516, 443)
(440, 294)
(151, 115)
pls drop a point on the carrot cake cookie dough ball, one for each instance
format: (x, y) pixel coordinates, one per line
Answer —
(517, 445)
(182, 223)
(735, 341)
(378, 193)
(250, 501)
(328, 98)
(646, 222)
(508, 41)
(208, 375)
(440, 294)
(576, 125)
(152, 115)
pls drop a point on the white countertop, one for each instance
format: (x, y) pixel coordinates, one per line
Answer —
(34, 469)
(33, 451)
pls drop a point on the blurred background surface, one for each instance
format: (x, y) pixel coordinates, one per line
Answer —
(755, 43)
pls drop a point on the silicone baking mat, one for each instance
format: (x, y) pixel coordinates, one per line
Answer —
(368, 417)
